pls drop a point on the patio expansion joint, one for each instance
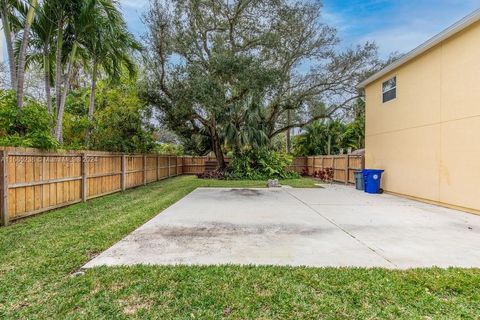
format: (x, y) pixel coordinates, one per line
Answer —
(344, 230)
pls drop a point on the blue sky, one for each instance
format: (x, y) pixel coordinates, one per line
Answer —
(399, 25)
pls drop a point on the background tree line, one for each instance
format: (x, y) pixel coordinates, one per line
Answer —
(87, 58)
(215, 76)
(236, 75)
(330, 137)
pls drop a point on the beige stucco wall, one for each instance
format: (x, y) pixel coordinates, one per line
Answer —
(428, 138)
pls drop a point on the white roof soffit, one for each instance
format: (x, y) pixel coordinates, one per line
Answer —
(442, 36)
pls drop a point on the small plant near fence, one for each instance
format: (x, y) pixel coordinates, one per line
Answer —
(255, 164)
(304, 172)
(324, 174)
(261, 164)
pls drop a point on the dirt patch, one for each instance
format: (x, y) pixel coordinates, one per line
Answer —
(229, 229)
(245, 192)
(131, 305)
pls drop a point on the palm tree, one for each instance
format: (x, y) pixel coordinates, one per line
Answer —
(313, 141)
(80, 17)
(43, 30)
(244, 128)
(8, 10)
(109, 48)
(61, 11)
(17, 18)
(23, 52)
(321, 138)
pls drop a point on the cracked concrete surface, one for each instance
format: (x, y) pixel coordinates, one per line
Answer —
(334, 226)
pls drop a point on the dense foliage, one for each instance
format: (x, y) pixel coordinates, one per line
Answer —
(30, 126)
(329, 137)
(120, 122)
(222, 76)
(74, 43)
(332, 136)
(261, 163)
(236, 74)
(169, 148)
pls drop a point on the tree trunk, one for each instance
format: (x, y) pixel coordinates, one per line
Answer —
(91, 106)
(23, 52)
(46, 67)
(329, 145)
(289, 120)
(217, 149)
(58, 64)
(63, 98)
(8, 39)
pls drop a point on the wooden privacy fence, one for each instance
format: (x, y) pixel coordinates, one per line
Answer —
(196, 165)
(343, 166)
(33, 181)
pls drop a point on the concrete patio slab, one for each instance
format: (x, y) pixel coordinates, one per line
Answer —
(334, 226)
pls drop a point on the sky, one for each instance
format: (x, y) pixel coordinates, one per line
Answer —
(395, 26)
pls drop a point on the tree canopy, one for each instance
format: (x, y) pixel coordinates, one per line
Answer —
(238, 73)
(67, 39)
(221, 76)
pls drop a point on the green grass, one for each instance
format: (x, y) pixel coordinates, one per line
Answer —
(301, 183)
(39, 255)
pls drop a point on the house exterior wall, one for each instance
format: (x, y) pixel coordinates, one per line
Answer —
(428, 138)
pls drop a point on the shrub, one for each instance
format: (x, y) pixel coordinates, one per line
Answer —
(304, 172)
(324, 174)
(121, 121)
(30, 126)
(261, 164)
(169, 148)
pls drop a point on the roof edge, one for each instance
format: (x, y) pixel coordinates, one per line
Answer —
(442, 36)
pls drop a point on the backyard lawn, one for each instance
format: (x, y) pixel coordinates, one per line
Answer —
(39, 258)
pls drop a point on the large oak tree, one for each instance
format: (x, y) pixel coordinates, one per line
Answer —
(240, 72)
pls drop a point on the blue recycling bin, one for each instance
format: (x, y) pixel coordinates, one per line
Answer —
(372, 179)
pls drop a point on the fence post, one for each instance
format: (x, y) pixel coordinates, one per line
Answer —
(84, 160)
(144, 169)
(168, 157)
(124, 172)
(4, 188)
(156, 171)
(347, 166)
(176, 165)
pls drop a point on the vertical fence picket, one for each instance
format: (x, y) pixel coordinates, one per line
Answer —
(168, 166)
(157, 167)
(144, 169)
(4, 188)
(84, 160)
(347, 173)
(123, 179)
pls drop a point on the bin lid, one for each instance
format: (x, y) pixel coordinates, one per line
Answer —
(377, 171)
